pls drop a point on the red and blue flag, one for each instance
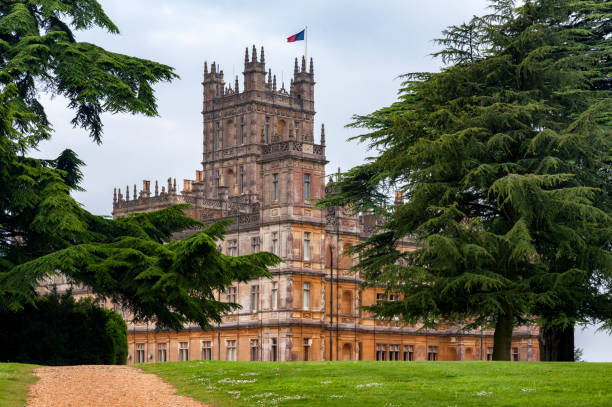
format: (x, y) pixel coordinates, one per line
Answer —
(297, 37)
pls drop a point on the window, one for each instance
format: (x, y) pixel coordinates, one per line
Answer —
(231, 294)
(306, 298)
(489, 353)
(306, 245)
(140, 353)
(275, 182)
(432, 353)
(274, 295)
(394, 352)
(306, 187)
(254, 298)
(254, 349)
(381, 351)
(183, 351)
(267, 130)
(381, 297)
(206, 350)
(254, 244)
(296, 129)
(275, 243)
(307, 343)
(162, 352)
(242, 130)
(218, 179)
(241, 179)
(274, 355)
(232, 248)
(408, 353)
(515, 354)
(219, 137)
(230, 350)
(393, 297)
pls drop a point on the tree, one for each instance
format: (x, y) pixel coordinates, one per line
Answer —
(43, 231)
(504, 160)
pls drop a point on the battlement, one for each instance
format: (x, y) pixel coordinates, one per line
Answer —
(256, 88)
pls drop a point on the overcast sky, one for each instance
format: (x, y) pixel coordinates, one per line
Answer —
(359, 49)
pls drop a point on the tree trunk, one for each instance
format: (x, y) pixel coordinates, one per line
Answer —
(557, 344)
(502, 339)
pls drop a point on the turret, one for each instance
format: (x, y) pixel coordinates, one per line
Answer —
(254, 71)
(303, 84)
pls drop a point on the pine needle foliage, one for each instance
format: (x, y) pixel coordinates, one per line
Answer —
(43, 230)
(503, 158)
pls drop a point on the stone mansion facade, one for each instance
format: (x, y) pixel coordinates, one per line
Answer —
(263, 167)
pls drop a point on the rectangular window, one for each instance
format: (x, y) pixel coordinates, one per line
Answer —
(242, 179)
(267, 130)
(254, 244)
(219, 137)
(274, 295)
(242, 130)
(230, 350)
(274, 355)
(232, 247)
(306, 298)
(140, 353)
(254, 298)
(231, 294)
(307, 343)
(183, 351)
(489, 353)
(162, 352)
(393, 297)
(306, 187)
(408, 353)
(381, 351)
(296, 130)
(275, 182)
(381, 297)
(394, 352)
(254, 349)
(432, 353)
(515, 354)
(206, 350)
(218, 180)
(275, 243)
(306, 246)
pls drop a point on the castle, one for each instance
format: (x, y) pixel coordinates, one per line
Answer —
(262, 167)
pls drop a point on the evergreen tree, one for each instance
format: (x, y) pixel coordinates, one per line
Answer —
(504, 160)
(43, 231)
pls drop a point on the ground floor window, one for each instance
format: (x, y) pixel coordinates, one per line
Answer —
(381, 351)
(489, 353)
(183, 351)
(432, 353)
(230, 350)
(162, 352)
(274, 355)
(254, 349)
(140, 353)
(408, 353)
(206, 350)
(394, 352)
(515, 354)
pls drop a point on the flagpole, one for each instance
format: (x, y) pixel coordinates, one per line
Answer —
(306, 43)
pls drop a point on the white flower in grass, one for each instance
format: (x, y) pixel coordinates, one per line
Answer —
(336, 396)
(527, 390)
(484, 393)
(249, 374)
(359, 386)
(326, 382)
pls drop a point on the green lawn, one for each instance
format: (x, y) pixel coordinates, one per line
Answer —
(352, 384)
(14, 381)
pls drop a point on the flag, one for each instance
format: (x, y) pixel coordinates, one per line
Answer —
(296, 37)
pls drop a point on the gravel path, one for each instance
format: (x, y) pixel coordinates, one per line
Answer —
(102, 386)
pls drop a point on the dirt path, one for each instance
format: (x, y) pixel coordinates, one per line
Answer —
(102, 386)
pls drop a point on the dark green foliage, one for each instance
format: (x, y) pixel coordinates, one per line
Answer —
(57, 330)
(43, 231)
(504, 160)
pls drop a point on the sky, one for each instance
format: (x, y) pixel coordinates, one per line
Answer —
(359, 50)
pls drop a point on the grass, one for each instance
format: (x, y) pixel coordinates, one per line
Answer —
(446, 384)
(15, 378)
